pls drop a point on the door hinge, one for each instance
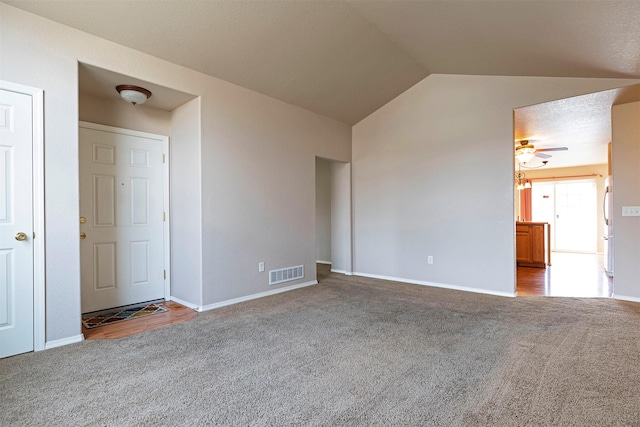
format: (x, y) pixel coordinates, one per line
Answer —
(165, 274)
(163, 216)
(34, 234)
(164, 160)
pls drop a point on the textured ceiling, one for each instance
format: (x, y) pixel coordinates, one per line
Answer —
(582, 124)
(345, 59)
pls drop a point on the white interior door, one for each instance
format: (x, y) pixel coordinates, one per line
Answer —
(121, 199)
(16, 224)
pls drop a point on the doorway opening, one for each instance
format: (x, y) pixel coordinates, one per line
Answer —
(570, 143)
(333, 217)
(570, 207)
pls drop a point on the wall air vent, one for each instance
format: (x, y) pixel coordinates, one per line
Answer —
(286, 274)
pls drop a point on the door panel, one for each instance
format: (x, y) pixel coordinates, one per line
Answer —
(16, 216)
(122, 191)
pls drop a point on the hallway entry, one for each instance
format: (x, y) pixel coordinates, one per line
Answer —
(333, 215)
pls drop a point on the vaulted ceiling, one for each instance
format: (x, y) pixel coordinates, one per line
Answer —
(345, 59)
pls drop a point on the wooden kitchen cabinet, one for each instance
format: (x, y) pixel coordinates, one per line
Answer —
(532, 248)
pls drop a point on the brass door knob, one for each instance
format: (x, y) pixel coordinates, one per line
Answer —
(83, 235)
(21, 236)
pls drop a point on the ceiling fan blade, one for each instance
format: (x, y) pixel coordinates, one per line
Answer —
(553, 149)
(543, 156)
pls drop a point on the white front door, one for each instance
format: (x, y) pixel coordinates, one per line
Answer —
(122, 219)
(16, 224)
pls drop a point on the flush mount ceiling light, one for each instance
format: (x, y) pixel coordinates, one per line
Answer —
(133, 94)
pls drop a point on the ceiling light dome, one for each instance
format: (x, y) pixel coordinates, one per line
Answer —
(133, 94)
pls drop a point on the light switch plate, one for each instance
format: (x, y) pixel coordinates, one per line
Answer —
(631, 211)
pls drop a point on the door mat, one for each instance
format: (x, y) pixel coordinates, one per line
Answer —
(101, 318)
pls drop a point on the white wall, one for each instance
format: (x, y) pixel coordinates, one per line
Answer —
(257, 159)
(258, 188)
(341, 261)
(323, 210)
(433, 175)
(186, 207)
(625, 121)
(118, 113)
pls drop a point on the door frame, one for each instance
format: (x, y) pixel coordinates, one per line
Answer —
(166, 226)
(37, 171)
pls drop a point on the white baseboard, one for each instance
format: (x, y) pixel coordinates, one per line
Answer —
(256, 296)
(323, 262)
(185, 303)
(626, 298)
(63, 341)
(438, 285)
(346, 273)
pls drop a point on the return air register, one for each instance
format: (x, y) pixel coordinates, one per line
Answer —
(286, 274)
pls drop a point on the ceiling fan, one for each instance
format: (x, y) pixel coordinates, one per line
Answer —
(526, 151)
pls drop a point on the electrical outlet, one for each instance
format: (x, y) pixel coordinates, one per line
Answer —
(429, 259)
(260, 267)
(631, 211)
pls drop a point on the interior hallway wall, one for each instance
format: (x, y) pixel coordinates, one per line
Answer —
(186, 207)
(341, 261)
(323, 211)
(625, 120)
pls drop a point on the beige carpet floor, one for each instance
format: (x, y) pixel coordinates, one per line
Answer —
(349, 351)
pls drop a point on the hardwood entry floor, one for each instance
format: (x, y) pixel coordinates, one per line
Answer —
(177, 313)
(570, 275)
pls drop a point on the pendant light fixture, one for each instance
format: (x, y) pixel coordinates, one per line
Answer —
(133, 94)
(521, 180)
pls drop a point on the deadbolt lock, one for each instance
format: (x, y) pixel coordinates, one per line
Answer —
(83, 220)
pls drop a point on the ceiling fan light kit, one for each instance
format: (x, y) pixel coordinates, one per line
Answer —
(525, 155)
(526, 151)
